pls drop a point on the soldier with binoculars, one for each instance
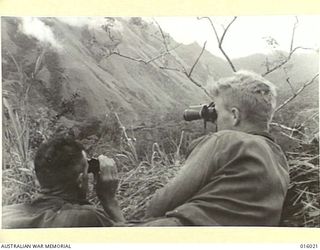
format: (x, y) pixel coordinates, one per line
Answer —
(62, 170)
(237, 176)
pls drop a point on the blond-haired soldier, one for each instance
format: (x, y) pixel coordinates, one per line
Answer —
(237, 176)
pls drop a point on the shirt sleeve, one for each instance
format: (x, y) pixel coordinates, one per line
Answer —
(193, 175)
(82, 217)
(52, 215)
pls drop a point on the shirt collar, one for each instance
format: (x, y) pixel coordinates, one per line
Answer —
(47, 197)
(262, 133)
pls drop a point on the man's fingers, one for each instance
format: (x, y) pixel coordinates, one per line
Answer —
(106, 161)
(114, 170)
(108, 167)
(108, 181)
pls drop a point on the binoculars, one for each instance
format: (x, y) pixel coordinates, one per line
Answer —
(205, 112)
(94, 166)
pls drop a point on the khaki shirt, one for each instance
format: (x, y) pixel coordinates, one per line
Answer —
(229, 178)
(55, 212)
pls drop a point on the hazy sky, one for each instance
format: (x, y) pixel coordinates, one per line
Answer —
(245, 36)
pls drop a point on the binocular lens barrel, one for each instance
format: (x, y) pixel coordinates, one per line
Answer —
(190, 115)
(206, 112)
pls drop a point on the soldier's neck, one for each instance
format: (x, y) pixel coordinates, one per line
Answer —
(249, 127)
(63, 192)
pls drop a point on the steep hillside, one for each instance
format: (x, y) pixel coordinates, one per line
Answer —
(84, 75)
(100, 82)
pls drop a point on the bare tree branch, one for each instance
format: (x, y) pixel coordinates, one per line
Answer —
(220, 40)
(123, 128)
(290, 84)
(172, 69)
(200, 86)
(293, 33)
(143, 60)
(285, 61)
(127, 57)
(155, 37)
(266, 63)
(288, 79)
(189, 77)
(195, 63)
(225, 31)
(163, 54)
(291, 130)
(291, 51)
(182, 70)
(213, 27)
(297, 93)
(292, 137)
(162, 34)
(314, 118)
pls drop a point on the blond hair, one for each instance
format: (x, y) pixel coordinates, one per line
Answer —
(252, 94)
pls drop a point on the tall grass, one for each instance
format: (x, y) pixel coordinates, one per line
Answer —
(141, 176)
(302, 205)
(138, 185)
(17, 131)
(18, 175)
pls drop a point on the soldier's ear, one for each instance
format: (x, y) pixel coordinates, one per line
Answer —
(236, 116)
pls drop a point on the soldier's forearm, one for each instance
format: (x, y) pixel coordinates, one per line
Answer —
(112, 208)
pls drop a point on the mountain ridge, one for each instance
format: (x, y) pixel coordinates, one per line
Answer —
(125, 83)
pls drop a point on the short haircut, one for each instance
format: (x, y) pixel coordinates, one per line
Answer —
(252, 94)
(55, 162)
